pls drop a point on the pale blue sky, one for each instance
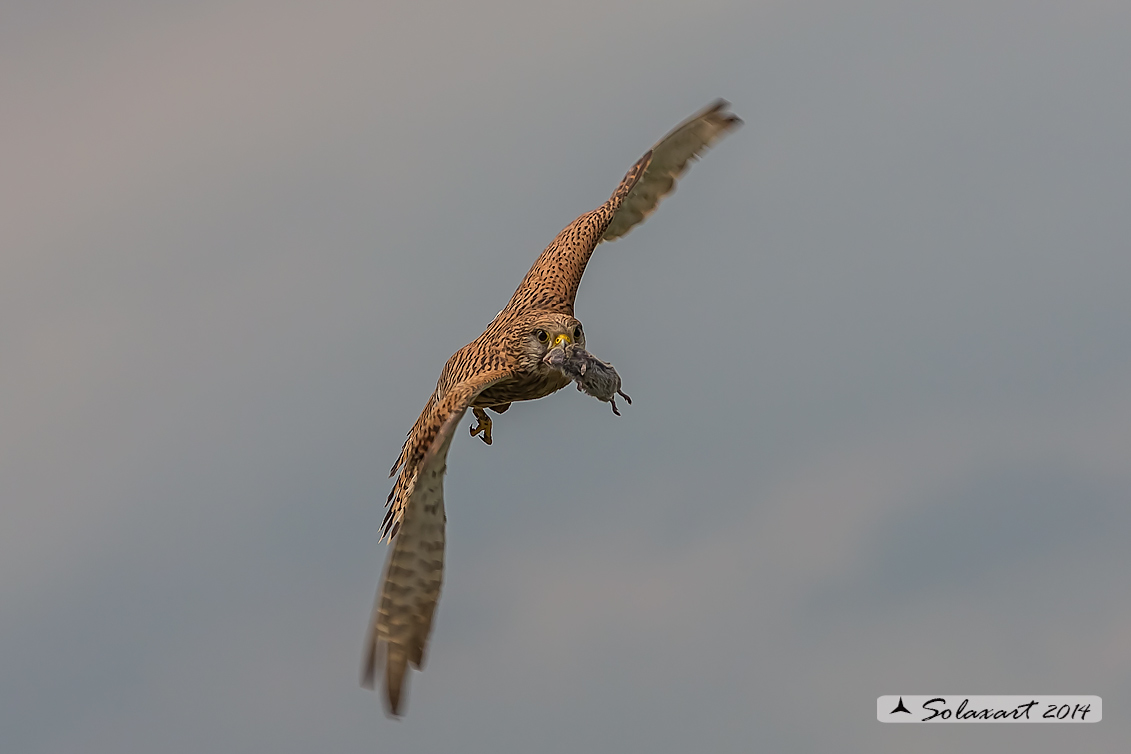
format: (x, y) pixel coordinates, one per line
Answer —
(878, 343)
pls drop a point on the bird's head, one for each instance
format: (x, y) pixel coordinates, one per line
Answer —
(539, 335)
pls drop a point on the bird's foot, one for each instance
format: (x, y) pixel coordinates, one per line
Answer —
(484, 425)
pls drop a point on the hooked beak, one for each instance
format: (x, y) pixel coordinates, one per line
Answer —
(556, 352)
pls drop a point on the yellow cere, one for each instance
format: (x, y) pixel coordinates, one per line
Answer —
(562, 340)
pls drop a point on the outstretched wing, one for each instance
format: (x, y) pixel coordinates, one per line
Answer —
(552, 282)
(410, 588)
(671, 157)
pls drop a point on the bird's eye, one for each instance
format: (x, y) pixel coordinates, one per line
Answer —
(541, 335)
(577, 332)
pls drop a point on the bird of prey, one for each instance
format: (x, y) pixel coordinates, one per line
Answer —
(533, 347)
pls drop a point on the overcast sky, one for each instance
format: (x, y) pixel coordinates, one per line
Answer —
(878, 344)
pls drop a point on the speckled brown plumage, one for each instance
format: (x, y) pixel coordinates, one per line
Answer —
(511, 361)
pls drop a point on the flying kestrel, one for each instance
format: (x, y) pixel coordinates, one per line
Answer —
(532, 348)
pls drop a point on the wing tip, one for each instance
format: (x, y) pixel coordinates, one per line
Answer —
(726, 120)
(716, 114)
(395, 674)
(395, 677)
(720, 104)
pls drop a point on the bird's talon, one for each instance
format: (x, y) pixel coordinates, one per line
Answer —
(484, 425)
